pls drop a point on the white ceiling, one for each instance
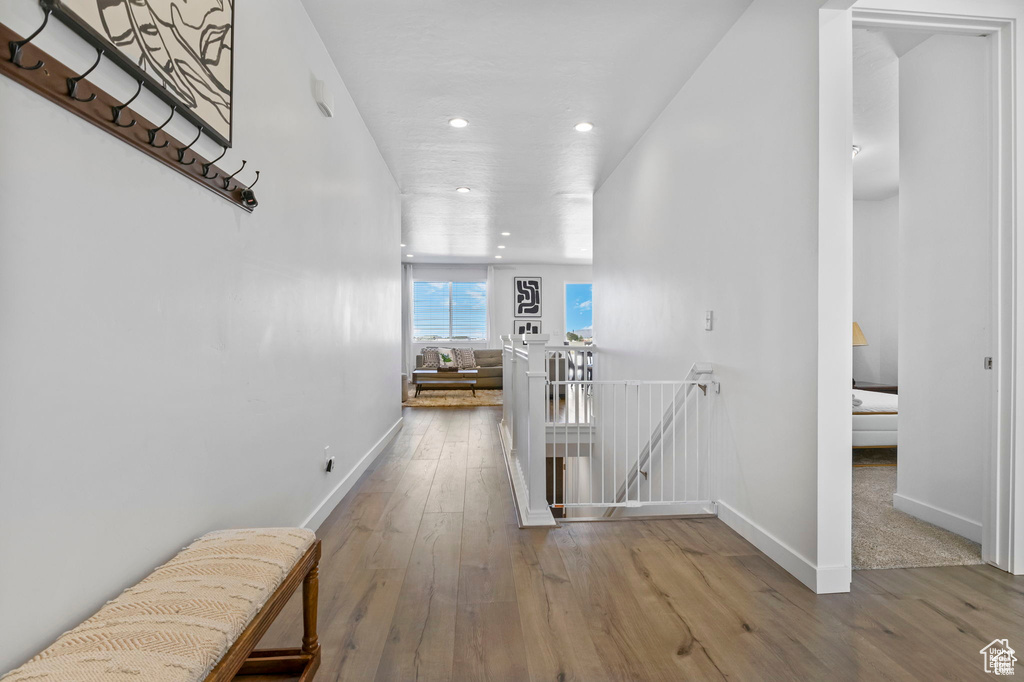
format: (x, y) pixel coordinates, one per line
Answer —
(876, 104)
(523, 73)
(876, 119)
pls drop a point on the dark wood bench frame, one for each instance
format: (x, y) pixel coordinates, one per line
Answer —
(241, 659)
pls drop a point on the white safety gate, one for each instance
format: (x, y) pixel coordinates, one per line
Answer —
(586, 448)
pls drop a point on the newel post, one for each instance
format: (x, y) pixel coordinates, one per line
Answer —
(537, 431)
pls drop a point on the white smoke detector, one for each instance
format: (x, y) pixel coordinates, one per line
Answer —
(324, 99)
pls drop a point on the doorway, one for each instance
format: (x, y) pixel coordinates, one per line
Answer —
(923, 293)
(999, 523)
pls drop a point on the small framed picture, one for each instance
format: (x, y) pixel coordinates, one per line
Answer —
(526, 327)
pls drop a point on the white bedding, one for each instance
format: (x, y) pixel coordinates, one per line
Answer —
(873, 402)
(875, 420)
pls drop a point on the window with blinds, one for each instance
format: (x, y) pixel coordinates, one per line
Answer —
(449, 310)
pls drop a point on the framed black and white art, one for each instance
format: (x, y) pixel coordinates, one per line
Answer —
(180, 50)
(527, 297)
(526, 327)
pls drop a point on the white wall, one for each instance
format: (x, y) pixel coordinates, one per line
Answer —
(553, 281)
(170, 364)
(946, 280)
(875, 284)
(716, 208)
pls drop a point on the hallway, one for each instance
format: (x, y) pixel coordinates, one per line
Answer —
(426, 576)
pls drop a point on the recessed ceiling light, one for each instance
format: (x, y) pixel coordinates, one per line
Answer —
(458, 122)
(462, 189)
(501, 246)
(506, 234)
(584, 127)
(402, 245)
(409, 255)
(497, 256)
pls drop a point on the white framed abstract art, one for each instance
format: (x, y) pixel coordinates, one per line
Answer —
(527, 297)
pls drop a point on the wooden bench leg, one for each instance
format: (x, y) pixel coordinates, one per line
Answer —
(310, 591)
(305, 661)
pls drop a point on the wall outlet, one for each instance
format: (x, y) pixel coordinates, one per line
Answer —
(709, 318)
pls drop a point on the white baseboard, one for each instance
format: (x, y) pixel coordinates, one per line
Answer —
(325, 508)
(827, 580)
(833, 580)
(939, 517)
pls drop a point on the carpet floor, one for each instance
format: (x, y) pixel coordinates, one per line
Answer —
(886, 538)
(484, 397)
(873, 457)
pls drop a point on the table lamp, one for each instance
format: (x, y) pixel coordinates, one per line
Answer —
(858, 340)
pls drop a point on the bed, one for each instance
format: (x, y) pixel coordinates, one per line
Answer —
(875, 419)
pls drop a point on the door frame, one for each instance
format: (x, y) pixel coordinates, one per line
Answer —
(1003, 497)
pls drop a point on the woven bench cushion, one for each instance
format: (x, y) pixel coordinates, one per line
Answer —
(175, 625)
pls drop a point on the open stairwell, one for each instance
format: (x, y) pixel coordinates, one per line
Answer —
(580, 448)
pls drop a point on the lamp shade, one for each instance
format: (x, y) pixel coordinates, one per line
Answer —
(858, 336)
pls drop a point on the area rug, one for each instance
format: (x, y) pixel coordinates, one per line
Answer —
(485, 397)
(886, 538)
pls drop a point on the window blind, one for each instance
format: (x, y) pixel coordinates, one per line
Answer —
(449, 310)
(469, 310)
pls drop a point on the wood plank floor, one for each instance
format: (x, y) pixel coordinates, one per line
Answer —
(426, 576)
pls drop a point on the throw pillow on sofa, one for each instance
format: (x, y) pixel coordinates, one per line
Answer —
(431, 358)
(446, 359)
(466, 358)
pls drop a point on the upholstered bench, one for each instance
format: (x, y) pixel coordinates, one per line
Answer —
(197, 617)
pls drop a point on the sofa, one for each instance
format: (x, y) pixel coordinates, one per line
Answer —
(488, 370)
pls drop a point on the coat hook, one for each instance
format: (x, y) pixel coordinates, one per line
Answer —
(154, 131)
(248, 196)
(73, 82)
(227, 180)
(207, 165)
(181, 152)
(16, 45)
(117, 110)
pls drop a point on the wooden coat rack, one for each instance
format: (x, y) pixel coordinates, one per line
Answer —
(72, 91)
